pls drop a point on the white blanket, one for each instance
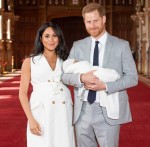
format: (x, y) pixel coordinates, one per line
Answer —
(111, 101)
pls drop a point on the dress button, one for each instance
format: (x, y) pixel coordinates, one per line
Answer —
(53, 102)
(61, 89)
(48, 80)
(63, 102)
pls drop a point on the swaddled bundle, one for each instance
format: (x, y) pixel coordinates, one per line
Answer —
(111, 102)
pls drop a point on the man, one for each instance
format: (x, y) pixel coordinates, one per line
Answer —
(93, 126)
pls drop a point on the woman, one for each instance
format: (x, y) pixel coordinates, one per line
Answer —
(49, 112)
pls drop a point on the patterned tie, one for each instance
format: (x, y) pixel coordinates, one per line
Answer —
(92, 94)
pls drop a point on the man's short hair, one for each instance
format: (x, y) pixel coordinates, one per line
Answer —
(92, 7)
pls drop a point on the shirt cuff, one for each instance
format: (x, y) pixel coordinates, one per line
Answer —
(80, 84)
(106, 88)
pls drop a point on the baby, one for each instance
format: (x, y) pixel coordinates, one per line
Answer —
(104, 74)
(111, 102)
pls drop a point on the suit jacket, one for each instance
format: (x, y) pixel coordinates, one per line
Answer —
(117, 56)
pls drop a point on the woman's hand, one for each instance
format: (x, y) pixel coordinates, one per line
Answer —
(35, 127)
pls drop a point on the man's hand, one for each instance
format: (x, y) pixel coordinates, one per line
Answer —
(92, 82)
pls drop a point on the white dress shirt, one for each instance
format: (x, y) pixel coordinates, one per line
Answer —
(101, 45)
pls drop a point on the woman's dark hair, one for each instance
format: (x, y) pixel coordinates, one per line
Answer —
(61, 49)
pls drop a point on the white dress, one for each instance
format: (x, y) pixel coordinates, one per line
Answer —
(51, 106)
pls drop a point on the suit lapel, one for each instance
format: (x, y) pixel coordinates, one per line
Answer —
(108, 47)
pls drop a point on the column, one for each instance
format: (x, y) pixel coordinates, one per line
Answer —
(139, 47)
(145, 40)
